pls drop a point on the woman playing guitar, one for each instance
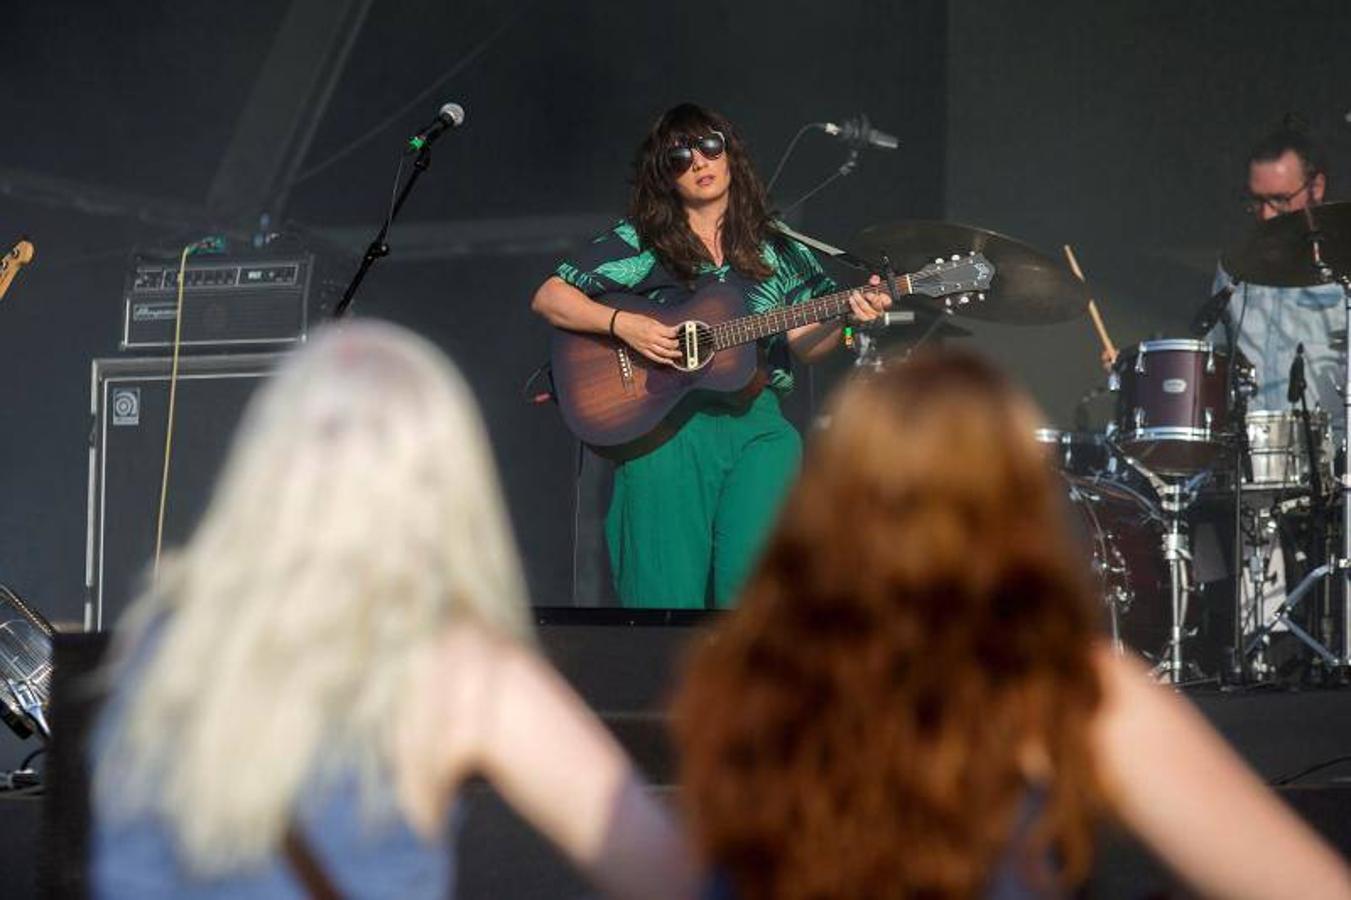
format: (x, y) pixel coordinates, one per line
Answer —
(703, 500)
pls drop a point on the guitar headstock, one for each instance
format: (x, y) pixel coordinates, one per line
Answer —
(21, 255)
(958, 279)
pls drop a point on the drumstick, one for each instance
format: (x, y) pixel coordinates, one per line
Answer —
(1093, 313)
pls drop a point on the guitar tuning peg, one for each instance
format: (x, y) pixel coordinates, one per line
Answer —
(980, 295)
(963, 299)
(938, 259)
(955, 257)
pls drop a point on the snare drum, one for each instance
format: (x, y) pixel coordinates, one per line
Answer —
(1172, 412)
(1280, 456)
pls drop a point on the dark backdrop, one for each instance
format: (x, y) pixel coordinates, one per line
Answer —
(120, 114)
(1123, 129)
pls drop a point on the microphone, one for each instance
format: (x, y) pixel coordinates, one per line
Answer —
(859, 134)
(1211, 311)
(450, 115)
(1295, 392)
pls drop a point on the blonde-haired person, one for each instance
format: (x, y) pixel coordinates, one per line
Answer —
(915, 699)
(342, 642)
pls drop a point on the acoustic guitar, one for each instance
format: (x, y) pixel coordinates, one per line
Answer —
(21, 255)
(622, 404)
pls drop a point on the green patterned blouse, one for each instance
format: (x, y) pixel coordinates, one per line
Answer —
(616, 262)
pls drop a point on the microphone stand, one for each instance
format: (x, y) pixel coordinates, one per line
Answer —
(1299, 394)
(1317, 501)
(379, 247)
(846, 168)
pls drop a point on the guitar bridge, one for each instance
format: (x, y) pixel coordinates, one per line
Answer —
(625, 368)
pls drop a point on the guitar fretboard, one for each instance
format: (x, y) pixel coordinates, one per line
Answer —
(745, 329)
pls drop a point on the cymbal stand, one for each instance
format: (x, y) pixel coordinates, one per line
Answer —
(1341, 565)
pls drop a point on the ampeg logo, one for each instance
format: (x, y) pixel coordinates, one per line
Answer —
(126, 404)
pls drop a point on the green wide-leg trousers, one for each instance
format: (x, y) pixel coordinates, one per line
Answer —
(694, 513)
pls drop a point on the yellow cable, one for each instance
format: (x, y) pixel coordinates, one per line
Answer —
(169, 423)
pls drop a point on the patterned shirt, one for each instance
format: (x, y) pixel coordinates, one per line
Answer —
(617, 262)
(1272, 321)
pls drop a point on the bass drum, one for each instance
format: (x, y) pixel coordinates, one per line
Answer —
(1121, 533)
(1076, 452)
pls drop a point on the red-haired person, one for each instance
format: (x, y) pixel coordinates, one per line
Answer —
(914, 698)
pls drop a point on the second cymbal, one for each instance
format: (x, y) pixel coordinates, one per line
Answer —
(1279, 251)
(1029, 287)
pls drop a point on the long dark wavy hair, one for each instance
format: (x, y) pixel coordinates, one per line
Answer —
(656, 211)
(903, 699)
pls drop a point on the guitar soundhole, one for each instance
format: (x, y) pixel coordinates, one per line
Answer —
(695, 340)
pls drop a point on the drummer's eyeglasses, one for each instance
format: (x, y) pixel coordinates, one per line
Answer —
(680, 156)
(1279, 203)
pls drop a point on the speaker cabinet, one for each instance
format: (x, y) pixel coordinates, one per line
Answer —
(130, 405)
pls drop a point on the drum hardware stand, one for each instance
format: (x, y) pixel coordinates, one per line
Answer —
(1175, 497)
(1326, 273)
(1281, 615)
(1263, 532)
(1341, 565)
(1218, 307)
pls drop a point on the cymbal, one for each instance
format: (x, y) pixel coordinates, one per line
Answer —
(1029, 287)
(1278, 251)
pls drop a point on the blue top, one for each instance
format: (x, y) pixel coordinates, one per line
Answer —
(363, 856)
(1272, 322)
(136, 859)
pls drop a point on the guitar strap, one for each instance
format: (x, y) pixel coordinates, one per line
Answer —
(307, 868)
(820, 246)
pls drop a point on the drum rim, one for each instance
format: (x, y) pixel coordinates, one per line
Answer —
(1279, 415)
(1109, 485)
(1175, 344)
(1171, 433)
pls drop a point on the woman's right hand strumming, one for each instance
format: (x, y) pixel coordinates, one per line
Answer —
(648, 336)
(563, 306)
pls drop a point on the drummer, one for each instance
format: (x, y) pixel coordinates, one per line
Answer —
(1286, 172)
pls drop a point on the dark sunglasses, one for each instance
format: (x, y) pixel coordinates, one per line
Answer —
(681, 156)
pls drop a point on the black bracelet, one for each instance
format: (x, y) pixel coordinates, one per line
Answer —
(614, 315)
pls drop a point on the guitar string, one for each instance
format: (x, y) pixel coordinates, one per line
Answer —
(749, 328)
(745, 329)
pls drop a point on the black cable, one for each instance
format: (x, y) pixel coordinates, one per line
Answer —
(778, 169)
(539, 397)
(28, 760)
(1317, 767)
